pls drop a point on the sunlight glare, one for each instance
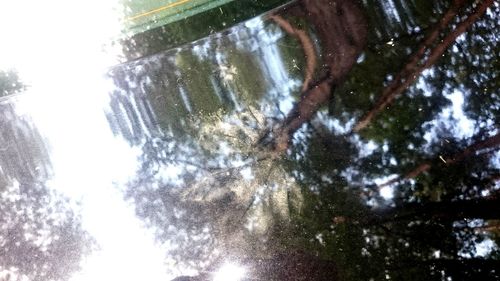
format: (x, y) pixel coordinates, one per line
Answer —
(61, 51)
(230, 272)
(50, 41)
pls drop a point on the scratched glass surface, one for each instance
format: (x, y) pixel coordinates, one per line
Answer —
(322, 140)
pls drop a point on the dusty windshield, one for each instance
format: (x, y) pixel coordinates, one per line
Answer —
(253, 140)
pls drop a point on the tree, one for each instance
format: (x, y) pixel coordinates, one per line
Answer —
(342, 29)
(249, 154)
(41, 237)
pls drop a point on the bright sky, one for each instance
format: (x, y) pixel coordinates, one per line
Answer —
(57, 48)
(43, 39)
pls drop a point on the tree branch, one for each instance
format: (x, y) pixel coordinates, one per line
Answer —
(341, 26)
(412, 70)
(490, 142)
(307, 46)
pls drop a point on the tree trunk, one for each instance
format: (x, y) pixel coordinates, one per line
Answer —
(412, 70)
(341, 27)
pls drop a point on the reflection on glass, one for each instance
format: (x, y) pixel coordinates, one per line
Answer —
(324, 140)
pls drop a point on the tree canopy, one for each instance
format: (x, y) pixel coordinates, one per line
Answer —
(338, 133)
(323, 140)
(41, 236)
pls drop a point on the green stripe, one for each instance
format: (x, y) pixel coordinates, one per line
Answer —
(143, 15)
